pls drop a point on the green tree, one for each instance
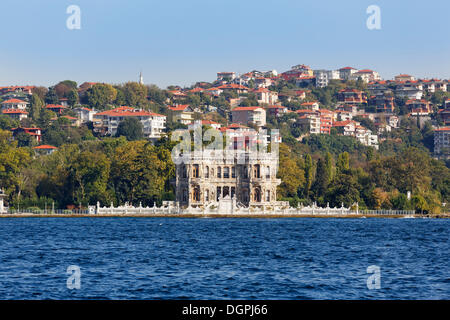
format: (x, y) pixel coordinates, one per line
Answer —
(131, 128)
(100, 95)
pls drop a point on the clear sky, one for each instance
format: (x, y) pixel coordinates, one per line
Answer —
(184, 41)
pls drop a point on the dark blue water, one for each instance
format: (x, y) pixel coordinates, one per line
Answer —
(171, 258)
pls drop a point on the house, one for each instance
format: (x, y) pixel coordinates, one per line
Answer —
(409, 90)
(35, 133)
(383, 103)
(14, 104)
(212, 124)
(404, 77)
(153, 123)
(226, 76)
(73, 121)
(312, 105)
(262, 82)
(351, 96)
(45, 149)
(326, 120)
(264, 95)
(311, 119)
(85, 114)
(346, 72)
(305, 80)
(365, 75)
(323, 77)
(17, 89)
(354, 129)
(56, 108)
(343, 115)
(297, 71)
(444, 113)
(442, 143)
(234, 87)
(422, 104)
(249, 115)
(183, 114)
(276, 111)
(16, 114)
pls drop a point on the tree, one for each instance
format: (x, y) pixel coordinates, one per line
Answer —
(131, 128)
(100, 95)
(291, 174)
(51, 97)
(343, 162)
(72, 97)
(135, 94)
(329, 166)
(36, 105)
(321, 182)
(308, 175)
(344, 189)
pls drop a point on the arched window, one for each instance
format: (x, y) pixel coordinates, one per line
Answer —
(207, 172)
(218, 193)
(256, 171)
(195, 171)
(226, 172)
(219, 172)
(206, 195)
(196, 194)
(257, 195)
(233, 172)
(267, 195)
(268, 172)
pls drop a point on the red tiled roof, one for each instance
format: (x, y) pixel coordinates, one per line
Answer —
(45, 147)
(246, 108)
(14, 111)
(13, 101)
(180, 107)
(127, 112)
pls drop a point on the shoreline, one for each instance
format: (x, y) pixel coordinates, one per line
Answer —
(259, 216)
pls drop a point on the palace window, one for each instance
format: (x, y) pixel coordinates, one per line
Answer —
(233, 172)
(195, 171)
(267, 195)
(206, 195)
(226, 191)
(219, 172)
(233, 192)
(218, 193)
(257, 195)
(207, 172)
(256, 171)
(268, 173)
(196, 194)
(226, 172)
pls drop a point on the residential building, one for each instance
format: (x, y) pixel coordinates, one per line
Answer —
(351, 96)
(35, 133)
(85, 114)
(346, 73)
(249, 115)
(365, 75)
(442, 143)
(153, 124)
(404, 77)
(323, 77)
(275, 110)
(409, 90)
(14, 104)
(56, 108)
(45, 149)
(226, 76)
(16, 114)
(264, 95)
(183, 114)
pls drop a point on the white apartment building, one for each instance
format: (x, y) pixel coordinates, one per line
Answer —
(442, 142)
(249, 115)
(153, 124)
(323, 77)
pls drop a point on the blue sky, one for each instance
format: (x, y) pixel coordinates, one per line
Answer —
(181, 42)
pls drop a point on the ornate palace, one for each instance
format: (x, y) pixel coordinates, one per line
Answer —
(247, 178)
